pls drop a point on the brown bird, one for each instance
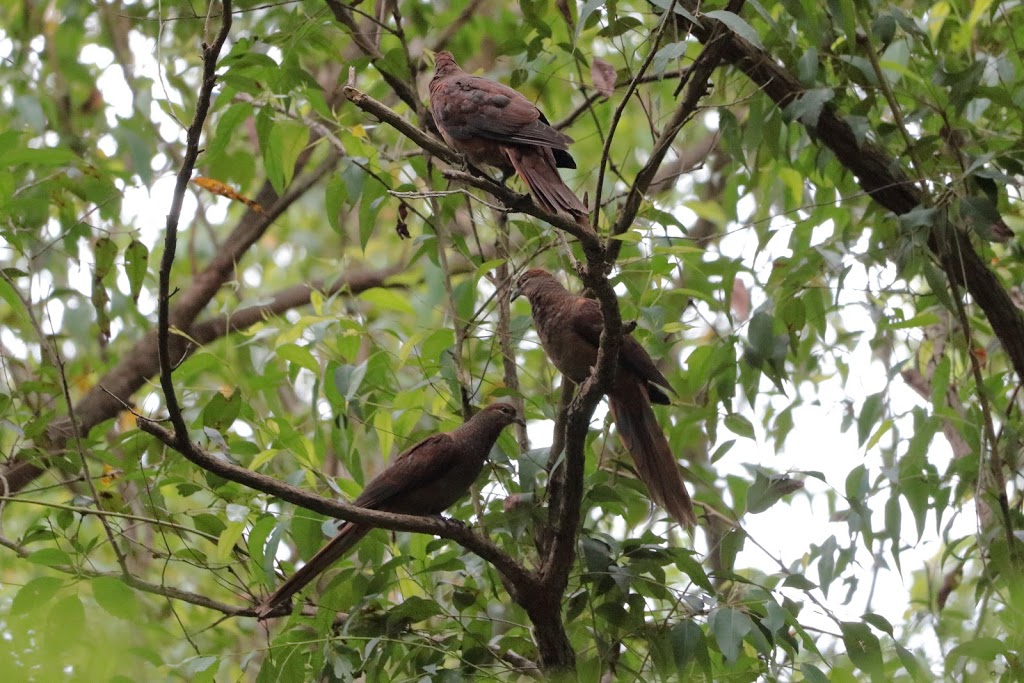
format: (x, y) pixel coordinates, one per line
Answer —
(494, 125)
(569, 327)
(425, 479)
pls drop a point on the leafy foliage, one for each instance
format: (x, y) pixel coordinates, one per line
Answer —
(791, 312)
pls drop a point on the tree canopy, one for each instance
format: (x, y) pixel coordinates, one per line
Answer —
(240, 271)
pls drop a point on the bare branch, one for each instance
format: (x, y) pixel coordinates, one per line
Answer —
(195, 130)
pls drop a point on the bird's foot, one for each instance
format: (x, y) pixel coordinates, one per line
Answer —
(452, 521)
(478, 172)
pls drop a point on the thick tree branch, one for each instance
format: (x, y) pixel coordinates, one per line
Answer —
(880, 175)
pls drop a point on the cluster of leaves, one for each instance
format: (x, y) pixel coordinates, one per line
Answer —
(738, 271)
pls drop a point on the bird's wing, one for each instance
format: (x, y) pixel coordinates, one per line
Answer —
(587, 321)
(588, 324)
(470, 106)
(414, 468)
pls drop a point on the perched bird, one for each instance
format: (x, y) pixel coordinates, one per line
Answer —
(425, 479)
(569, 327)
(494, 125)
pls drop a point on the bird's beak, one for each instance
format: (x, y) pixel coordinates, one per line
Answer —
(520, 421)
(515, 293)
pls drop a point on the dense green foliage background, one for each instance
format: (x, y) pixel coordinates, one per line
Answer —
(765, 268)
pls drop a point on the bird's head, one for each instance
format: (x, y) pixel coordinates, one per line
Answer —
(530, 281)
(504, 413)
(444, 64)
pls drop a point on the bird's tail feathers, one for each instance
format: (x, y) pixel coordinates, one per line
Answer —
(536, 166)
(348, 536)
(642, 436)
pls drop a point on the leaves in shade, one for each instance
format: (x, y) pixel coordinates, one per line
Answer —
(729, 626)
(222, 410)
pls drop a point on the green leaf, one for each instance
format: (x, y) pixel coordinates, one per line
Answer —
(729, 626)
(689, 645)
(827, 564)
(910, 663)
(285, 142)
(228, 539)
(335, 198)
(115, 597)
(34, 594)
(259, 546)
(870, 413)
(800, 582)
(50, 557)
(48, 156)
(692, 568)
(677, 8)
(863, 647)
(413, 610)
(878, 621)
(136, 261)
(388, 300)
(807, 108)
(739, 425)
(589, 8)
(299, 355)
(737, 25)
(105, 251)
(813, 674)
(222, 410)
(984, 649)
(65, 623)
(769, 489)
(348, 379)
(668, 53)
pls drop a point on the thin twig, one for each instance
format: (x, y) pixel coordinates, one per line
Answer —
(48, 348)
(210, 56)
(621, 108)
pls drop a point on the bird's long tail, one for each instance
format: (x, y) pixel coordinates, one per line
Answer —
(642, 436)
(536, 166)
(348, 536)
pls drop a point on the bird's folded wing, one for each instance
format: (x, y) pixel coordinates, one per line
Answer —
(477, 107)
(414, 468)
(588, 323)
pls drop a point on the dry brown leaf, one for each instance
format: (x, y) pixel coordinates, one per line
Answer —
(740, 300)
(603, 76)
(224, 190)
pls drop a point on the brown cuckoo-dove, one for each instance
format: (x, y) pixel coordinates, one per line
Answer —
(425, 479)
(493, 125)
(569, 327)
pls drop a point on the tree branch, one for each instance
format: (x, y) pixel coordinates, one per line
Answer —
(697, 77)
(513, 200)
(195, 130)
(453, 530)
(879, 174)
